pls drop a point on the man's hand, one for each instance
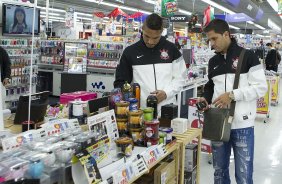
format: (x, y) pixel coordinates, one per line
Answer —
(161, 95)
(5, 82)
(222, 101)
(202, 99)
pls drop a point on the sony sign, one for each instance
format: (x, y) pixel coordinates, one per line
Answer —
(179, 18)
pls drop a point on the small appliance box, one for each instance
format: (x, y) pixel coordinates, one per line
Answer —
(190, 177)
(179, 125)
(65, 98)
(169, 111)
(165, 173)
(190, 157)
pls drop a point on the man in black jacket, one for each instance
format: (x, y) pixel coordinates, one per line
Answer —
(5, 65)
(153, 62)
(219, 92)
(272, 57)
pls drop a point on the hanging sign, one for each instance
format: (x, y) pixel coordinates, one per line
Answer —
(179, 18)
(208, 15)
(169, 7)
(70, 18)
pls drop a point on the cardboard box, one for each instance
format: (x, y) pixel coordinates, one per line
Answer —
(190, 157)
(190, 177)
(179, 125)
(165, 173)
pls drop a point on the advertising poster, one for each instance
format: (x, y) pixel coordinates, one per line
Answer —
(263, 102)
(70, 18)
(275, 90)
(193, 117)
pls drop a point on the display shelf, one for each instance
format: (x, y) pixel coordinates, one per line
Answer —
(183, 140)
(19, 51)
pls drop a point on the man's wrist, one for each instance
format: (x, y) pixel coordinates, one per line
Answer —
(231, 96)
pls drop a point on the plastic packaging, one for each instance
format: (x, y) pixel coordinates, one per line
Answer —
(148, 114)
(152, 101)
(168, 132)
(135, 119)
(137, 136)
(133, 106)
(122, 109)
(125, 146)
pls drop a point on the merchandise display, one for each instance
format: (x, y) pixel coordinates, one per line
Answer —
(19, 51)
(52, 52)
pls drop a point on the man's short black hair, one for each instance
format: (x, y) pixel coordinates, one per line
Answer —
(218, 26)
(278, 43)
(269, 45)
(154, 22)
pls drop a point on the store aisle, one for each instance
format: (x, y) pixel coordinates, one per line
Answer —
(268, 151)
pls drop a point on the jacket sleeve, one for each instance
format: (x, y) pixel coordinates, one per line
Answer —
(6, 64)
(256, 79)
(178, 78)
(123, 72)
(209, 86)
(270, 58)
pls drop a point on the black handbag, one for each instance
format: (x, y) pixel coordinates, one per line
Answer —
(217, 122)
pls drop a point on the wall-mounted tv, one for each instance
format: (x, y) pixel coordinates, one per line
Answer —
(17, 20)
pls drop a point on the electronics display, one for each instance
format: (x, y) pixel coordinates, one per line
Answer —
(39, 103)
(75, 57)
(17, 20)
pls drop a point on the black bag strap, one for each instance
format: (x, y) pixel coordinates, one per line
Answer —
(236, 80)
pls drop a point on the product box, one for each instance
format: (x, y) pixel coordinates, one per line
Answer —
(169, 111)
(65, 98)
(179, 125)
(190, 177)
(193, 118)
(190, 157)
(165, 172)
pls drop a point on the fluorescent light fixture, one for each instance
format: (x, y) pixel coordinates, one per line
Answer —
(119, 6)
(150, 1)
(84, 14)
(250, 22)
(234, 27)
(50, 14)
(273, 26)
(51, 17)
(84, 18)
(214, 4)
(273, 4)
(185, 12)
(259, 26)
(51, 9)
(198, 25)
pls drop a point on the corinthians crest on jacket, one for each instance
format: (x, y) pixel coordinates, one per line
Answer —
(164, 54)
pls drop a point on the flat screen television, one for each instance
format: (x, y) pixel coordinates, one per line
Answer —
(39, 103)
(17, 20)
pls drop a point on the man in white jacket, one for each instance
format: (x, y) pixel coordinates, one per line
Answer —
(153, 62)
(219, 91)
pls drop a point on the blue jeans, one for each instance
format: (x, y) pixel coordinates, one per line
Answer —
(242, 142)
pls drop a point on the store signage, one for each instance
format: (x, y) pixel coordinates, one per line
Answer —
(233, 3)
(250, 9)
(238, 17)
(179, 18)
(70, 18)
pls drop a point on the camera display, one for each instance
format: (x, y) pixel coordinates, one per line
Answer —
(201, 105)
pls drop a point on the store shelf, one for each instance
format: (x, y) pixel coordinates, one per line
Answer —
(183, 140)
(50, 66)
(101, 70)
(102, 58)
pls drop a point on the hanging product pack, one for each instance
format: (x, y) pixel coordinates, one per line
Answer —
(217, 122)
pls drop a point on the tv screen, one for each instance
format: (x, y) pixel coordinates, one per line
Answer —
(17, 20)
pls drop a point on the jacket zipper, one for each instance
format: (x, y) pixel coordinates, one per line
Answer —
(155, 77)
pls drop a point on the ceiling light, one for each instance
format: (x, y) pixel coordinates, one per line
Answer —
(273, 4)
(259, 26)
(51, 9)
(119, 6)
(84, 18)
(250, 22)
(184, 12)
(85, 14)
(218, 6)
(52, 14)
(199, 25)
(51, 17)
(234, 27)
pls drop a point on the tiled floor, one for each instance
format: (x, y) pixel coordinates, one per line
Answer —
(268, 151)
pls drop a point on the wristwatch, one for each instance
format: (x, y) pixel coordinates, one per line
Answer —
(231, 95)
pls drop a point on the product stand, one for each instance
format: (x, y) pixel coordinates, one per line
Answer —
(183, 140)
(263, 103)
(188, 86)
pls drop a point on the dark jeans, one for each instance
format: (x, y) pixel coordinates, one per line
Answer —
(242, 142)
